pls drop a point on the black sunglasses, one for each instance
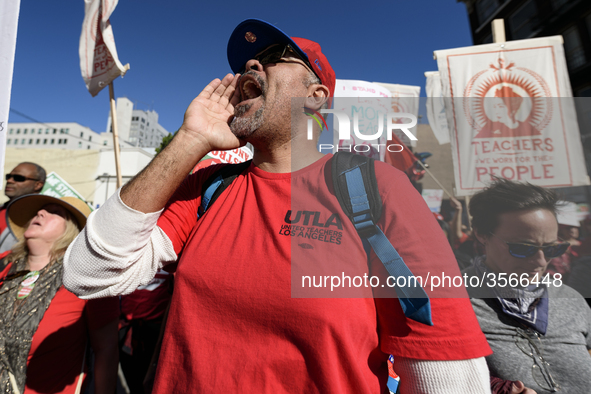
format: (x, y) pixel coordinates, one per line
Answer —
(274, 54)
(525, 250)
(19, 178)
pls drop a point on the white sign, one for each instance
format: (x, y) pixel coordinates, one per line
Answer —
(405, 98)
(9, 10)
(357, 99)
(511, 114)
(433, 198)
(436, 107)
(99, 63)
(568, 214)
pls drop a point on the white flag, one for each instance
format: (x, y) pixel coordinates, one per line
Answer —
(98, 56)
(405, 98)
(9, 10)
(511, 114)
(436, 107)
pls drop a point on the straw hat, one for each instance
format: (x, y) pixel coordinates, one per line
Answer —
(24, 208)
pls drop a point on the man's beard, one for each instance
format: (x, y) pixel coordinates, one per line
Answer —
(243, 126)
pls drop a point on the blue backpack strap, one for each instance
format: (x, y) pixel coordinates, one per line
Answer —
(213, 187)
(356, 187)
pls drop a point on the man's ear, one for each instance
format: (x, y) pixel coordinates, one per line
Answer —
(482, 239)
(317, 96)
(38, 187)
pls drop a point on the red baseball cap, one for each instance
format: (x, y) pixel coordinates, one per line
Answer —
(252, 36)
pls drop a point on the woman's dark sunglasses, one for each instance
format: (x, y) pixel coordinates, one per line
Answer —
(19, 178)
(274, 54)
(525, 250)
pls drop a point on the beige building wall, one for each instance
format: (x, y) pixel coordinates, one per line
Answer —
(77, 167)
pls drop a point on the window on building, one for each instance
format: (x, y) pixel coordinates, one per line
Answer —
(37, 142)
(52, 141)
(40, 131)
(15, 141)
(59, 142)
(44, 141)
(143, 120)
(46, 131)
(61, 131)
(524, 21)
(105, 143)
(573, 48)
(23, 141)
(30, 141)
(25, 132)
(10, 131)
(8, 141)
(67, 131)
(88, 147)
(81, 134)
(79, 144)
(89, 138)
(18, 131)
(54, 131)
(65, 140)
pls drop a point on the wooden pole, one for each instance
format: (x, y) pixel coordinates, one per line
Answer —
(115, 135)
(467, 201)
(498, 31)
(435, 179)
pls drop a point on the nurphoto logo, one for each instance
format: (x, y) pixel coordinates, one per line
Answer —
(393, 121)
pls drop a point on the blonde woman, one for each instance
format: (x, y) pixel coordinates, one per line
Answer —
(44, 329)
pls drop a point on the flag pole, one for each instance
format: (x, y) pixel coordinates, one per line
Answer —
(115, 134)
(498, 31)
(435, 179)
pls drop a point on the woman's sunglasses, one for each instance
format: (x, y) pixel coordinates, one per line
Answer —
(525, 250)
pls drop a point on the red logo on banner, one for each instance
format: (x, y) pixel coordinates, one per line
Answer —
(507, 101)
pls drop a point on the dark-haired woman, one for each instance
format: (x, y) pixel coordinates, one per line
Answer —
(538, 328)
(45, 329)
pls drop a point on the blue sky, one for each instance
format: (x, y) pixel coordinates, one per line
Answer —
(176, 47)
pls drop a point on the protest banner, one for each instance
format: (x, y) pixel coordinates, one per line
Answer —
(436, 107)
(405, 98)
(511, 114)
(361, 99)
(234, 156)
(9, 10)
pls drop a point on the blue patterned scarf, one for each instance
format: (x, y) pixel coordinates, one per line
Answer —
(528, 305)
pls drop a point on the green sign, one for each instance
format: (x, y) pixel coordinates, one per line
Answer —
(55, 186)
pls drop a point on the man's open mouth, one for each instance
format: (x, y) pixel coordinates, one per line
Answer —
(250, 87)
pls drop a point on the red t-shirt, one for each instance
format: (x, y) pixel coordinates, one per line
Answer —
(3, 223)
(57, 350)
(235, 323)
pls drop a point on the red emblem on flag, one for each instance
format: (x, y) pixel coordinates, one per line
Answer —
(507, 101)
